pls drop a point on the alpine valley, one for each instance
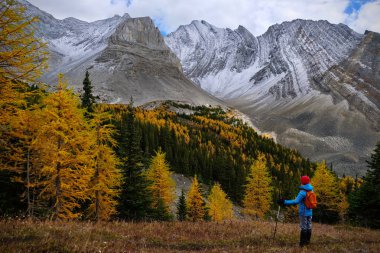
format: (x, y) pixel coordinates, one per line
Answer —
(315, 86)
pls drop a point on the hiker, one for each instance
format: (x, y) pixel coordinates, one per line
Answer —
(305, 213)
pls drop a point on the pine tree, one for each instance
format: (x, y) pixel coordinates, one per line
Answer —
(258, 190)
(162, 185)
(329, 198)
(220, 207)
(181, 207)
(88, 99)
(162, 212)
(65, 143)
(106, 179)
(365, 200)
(135, 201)
(195, 203)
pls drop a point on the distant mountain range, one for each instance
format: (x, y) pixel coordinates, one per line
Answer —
(125, 57)
(314, 85)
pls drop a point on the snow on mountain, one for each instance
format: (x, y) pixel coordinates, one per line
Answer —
(230, 63)
(301, 79)
(125, 57)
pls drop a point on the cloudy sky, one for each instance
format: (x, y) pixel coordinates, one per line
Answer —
(255, 15)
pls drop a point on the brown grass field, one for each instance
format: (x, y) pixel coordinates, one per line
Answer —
(234, 236)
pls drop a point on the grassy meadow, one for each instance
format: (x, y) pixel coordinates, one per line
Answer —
(234, 236)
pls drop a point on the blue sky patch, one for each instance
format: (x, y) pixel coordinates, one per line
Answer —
(355, 5)
(128, 2)
(158, 23)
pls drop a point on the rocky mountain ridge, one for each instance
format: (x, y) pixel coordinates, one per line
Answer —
(125, 57)
(313, 83)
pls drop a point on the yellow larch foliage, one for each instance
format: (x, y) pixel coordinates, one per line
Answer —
(162, 185)
(22, 58)
(226, 131)
(220, 207)
(161, 118)
(106, 177)
(194, 202)
(25, 157)
(258, 191)
(343, 207)
(326, 188)
(346, 184)
(65, 142)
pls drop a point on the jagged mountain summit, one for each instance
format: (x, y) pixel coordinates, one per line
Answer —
(125, 57)
(231, 63)
(313, 84)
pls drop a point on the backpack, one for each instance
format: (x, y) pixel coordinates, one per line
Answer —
(311, 200)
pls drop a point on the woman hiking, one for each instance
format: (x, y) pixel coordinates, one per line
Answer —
(305, 210)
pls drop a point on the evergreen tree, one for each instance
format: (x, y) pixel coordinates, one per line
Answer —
(162, 212)
(365, 200)
(195, 203)
(258, 190)
(135, 201)
(88, 99)
(329, 198)
(181, 207)
(65, 141)
(220, 207)
(162, 185)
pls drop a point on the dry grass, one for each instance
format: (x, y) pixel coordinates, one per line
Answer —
(237, 236)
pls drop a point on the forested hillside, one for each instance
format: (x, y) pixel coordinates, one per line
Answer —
(211, 143)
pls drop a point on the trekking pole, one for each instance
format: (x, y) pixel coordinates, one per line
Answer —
(275, 228)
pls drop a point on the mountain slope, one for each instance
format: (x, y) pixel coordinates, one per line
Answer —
(357, 78)
(280, 79)
(125, 57)
(233, 63)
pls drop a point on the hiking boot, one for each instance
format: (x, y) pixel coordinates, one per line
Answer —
(308, 236)
(303, 238)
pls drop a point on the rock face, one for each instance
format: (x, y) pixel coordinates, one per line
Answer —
(357, 79)
(206, 52)
(315, 84)
(233, 63)
(125, 57)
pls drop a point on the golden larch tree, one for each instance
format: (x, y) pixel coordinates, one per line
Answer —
(195, 203)
(220, 207)
(162, 185)
(65, 142)
(326, 188)
(106, 179)
(25, 157)
(22, 59)
(22, 56)
(258, 191)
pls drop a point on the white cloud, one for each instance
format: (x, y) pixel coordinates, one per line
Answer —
(255, 15)
(88, 10)
(366, 18)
